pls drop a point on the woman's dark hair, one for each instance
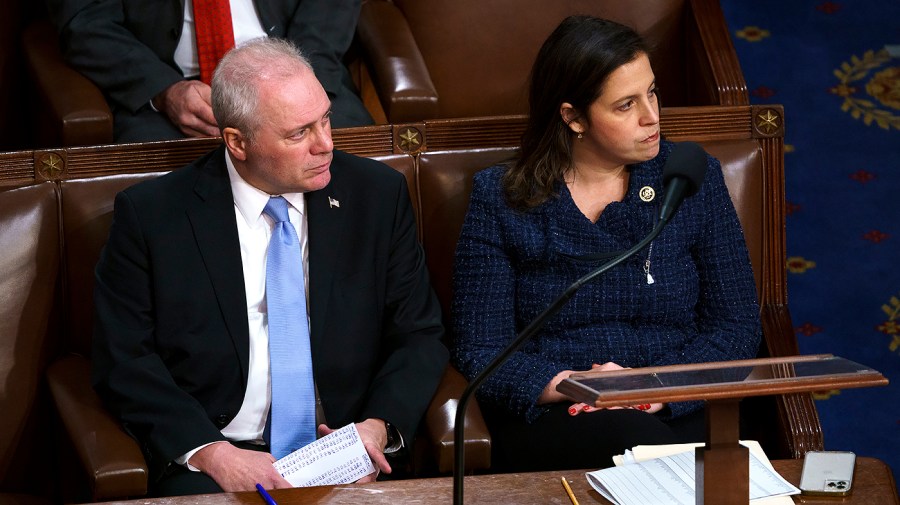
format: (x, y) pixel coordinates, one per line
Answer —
(572, 66)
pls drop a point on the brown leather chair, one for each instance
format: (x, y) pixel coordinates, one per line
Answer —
(466, 58)
(29, 264)
(112, 460)
(68, 109)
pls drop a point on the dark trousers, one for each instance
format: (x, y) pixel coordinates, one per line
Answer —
(558, 441)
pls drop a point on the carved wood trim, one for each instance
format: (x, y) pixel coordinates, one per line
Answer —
(365, 141)
(719, 53)
(16, 168)
(135, 158)
(706, 123)
(474, 133)
(768, 121)
(411, 138)
(50, 165)
(775, 288)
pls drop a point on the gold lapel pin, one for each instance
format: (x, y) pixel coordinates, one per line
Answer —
(333, 203)
(647, 194)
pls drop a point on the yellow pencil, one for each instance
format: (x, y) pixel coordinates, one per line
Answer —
(565, 484)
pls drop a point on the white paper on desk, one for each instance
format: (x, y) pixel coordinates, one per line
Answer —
(336, 458)
(645, 452)
(670, 480)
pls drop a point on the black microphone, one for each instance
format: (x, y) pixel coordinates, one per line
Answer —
(682, 176)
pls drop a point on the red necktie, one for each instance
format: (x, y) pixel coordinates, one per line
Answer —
(215, 36)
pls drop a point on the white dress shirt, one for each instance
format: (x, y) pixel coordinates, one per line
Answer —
(254, 230)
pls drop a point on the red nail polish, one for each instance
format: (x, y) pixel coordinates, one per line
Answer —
(572, 411)
(586, 408)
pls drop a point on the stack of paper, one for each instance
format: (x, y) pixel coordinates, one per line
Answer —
(664, 475)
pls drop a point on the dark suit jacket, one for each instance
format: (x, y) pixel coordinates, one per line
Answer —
(171, 341)
(127, 47)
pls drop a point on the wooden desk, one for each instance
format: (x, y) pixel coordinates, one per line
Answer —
(720, 467)
(873, 485)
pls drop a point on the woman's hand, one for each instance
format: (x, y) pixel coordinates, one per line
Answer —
(578, 408)
(551, 395)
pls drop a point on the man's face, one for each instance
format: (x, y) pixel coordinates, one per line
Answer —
(291, 149)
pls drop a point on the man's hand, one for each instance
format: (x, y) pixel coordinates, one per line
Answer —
(236, 469)
(188, 106)
(373, 434)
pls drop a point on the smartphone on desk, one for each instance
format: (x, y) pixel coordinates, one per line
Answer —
(827, 473)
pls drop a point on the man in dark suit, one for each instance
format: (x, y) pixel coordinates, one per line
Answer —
(180, 345)
(142, 55)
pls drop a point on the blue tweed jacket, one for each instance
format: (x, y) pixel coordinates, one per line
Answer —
(511, 265)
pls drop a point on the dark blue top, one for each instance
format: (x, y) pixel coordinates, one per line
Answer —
(511, 265)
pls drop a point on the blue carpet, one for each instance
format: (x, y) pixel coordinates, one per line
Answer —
(826, 62)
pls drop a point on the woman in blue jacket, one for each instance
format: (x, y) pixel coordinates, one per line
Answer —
(587, 185)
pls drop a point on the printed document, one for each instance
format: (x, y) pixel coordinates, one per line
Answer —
(336, 458)
(670, 480)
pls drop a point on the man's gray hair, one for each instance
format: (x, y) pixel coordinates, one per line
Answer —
(235, 90)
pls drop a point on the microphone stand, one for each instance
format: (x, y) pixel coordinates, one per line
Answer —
(459, 449)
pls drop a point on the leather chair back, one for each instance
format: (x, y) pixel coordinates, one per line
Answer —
(743, 171)
(479, 53)
(445, 181)
(406, 165)
(87, 206)
(29, 264)
(471, 58)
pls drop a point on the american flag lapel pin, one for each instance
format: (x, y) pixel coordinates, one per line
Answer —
(333, 203)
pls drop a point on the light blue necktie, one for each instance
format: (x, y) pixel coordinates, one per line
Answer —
(293, 412)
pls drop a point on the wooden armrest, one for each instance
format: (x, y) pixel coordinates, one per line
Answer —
(398, 70)
(112, 460)
(73, 110)
(797, 415)
(439, 423)
(714, 59)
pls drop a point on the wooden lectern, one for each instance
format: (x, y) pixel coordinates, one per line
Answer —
(722, 466)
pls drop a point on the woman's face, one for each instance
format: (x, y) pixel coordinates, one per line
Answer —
(622, 125)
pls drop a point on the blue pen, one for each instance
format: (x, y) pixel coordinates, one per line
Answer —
(265, 495)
